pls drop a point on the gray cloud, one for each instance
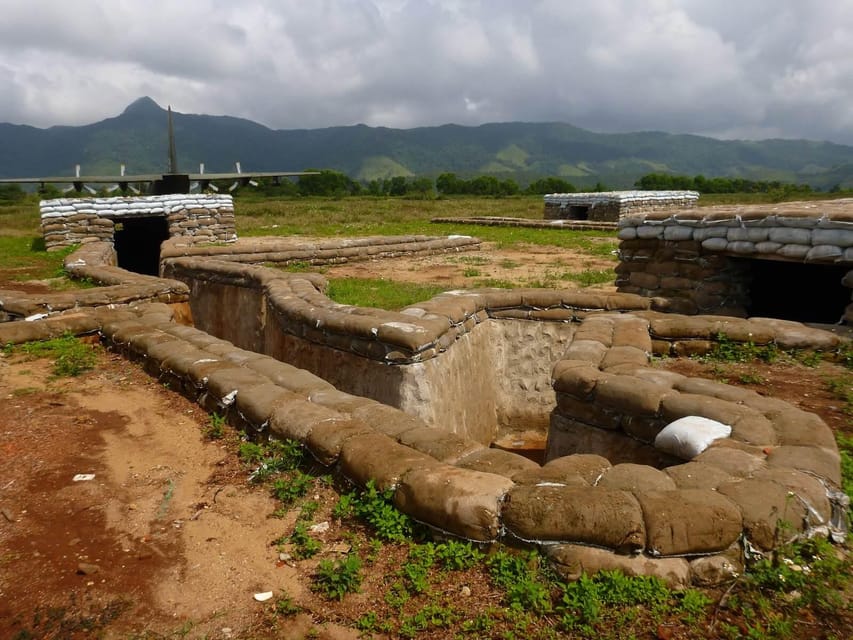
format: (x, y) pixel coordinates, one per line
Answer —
(730, 69)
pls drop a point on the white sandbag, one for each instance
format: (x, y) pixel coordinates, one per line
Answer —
(689, 436)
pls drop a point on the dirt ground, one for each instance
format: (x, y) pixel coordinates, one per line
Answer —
(532, 265)
(169, 539)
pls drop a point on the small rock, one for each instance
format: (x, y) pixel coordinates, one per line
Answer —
(7, 514)
(321, 527)
(263, 596)
(87, 568)
(284, 557)
(465, 590)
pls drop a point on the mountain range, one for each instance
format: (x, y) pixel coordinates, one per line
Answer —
(519, 150)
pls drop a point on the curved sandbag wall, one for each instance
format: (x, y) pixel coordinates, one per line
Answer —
(684, 520)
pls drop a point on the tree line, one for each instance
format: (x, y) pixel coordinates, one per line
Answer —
(667, 182)
(335, 183)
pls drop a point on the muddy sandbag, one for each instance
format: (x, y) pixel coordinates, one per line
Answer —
(255, 403)
(755, 430)
(377, 457)
(586, 465)
(290, 377)
(801, 428)
(327, 438)
(737, 463)
(575, 377)
(689, 521)
(679, 405)
(338, 400)
(633, 396)
(624, 355)
(388, 420)
(225, 384)
(462, 502)
(807, 488)
(710, 571)
(295, 418)
(572, 561)
(497, 461)
(771, 516)
(441, 445)
(597, 516)
(817, 460)
(696, 475)
(634, 478)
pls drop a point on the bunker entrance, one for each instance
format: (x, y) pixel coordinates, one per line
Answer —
(137, 243)
(797, 291)
(578, 212)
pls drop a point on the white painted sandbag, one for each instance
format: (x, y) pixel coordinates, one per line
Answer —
(689, 436)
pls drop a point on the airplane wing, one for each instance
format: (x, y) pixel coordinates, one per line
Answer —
(73, 179)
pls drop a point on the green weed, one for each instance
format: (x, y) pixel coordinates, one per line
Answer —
(471, 272)
(458, 556)
(304, 546)
(335, 579)
(215, 429)
(272, 457)
(289, 489)
(286, 608)
(727, 350)
(71, 357)
(375, 508)
(431, 616)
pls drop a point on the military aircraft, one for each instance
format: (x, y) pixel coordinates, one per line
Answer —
(173, 181)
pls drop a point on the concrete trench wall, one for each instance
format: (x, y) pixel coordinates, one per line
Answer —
(684, 524)
(697, 260)
(496, 375)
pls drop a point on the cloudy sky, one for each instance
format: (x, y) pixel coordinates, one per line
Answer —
(726, 68)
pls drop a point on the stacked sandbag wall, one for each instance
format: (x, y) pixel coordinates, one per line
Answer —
(70, 221)
(610, 206)
(685, 257)
(780, 465)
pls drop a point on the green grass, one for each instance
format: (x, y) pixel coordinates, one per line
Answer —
(70, 356)
(379, 293)
(589, 277)
(28, 259)
(365, 216)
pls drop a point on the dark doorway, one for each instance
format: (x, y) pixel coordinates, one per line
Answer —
(797, 291)
(578, 212)
(137, 242)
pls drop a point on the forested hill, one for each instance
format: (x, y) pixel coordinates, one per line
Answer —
(522, 151)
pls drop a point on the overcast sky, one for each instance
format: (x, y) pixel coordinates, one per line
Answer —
(726, 68)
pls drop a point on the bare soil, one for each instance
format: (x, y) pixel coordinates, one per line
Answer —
(529, 265)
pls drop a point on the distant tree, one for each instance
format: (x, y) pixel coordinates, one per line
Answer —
(376, 188)
(48, 192)
(328, 183)
(449, 184)
(551, 184)
(397, 186)
(11, 193)
(422, 188)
